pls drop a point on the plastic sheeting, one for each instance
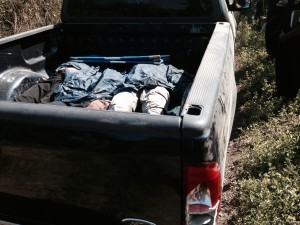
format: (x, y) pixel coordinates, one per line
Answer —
(83, 82)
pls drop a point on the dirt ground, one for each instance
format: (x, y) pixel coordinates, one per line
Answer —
(233, 163)
(233, 166)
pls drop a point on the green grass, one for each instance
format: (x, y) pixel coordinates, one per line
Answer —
(268, 191)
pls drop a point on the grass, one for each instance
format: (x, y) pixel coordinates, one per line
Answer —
(268, 192)
(269, 127)
(17, 16)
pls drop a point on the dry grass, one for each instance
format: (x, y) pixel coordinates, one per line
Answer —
(21, 15)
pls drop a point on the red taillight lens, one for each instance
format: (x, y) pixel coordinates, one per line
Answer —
(206, 175)
(203, 193)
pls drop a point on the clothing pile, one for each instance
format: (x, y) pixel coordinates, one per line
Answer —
(78, 84)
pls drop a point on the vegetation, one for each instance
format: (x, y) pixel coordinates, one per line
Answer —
(267, 127)
(21, 15)
(269, 136)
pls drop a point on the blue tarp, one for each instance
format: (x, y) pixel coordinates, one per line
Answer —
(89, 82)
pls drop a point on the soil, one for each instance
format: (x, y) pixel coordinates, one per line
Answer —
(233, 166)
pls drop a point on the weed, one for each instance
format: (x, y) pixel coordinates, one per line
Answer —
(22, 15)
(268, 191)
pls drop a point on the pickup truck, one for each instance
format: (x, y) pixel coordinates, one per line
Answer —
(71, 165)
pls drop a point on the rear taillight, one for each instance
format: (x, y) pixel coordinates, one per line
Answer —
(203, 193)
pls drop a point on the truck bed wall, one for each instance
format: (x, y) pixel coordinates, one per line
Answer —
(36, 54)
(185, 43)
(46, 48)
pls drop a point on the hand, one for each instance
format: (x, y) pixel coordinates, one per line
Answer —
(98, 105)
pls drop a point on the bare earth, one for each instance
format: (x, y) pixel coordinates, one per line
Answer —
(233, 166)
